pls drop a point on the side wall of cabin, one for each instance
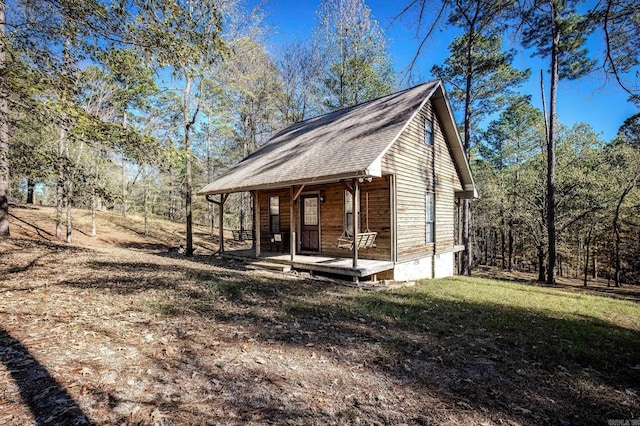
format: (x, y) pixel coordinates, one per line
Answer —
(420, 168)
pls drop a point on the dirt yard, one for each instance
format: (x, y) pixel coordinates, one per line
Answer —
(122, 330)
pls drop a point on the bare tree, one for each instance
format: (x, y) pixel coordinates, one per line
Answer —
(4, 131)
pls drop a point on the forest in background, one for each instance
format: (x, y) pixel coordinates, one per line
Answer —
(132, 105)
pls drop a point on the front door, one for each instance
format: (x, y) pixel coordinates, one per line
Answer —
(309, 223)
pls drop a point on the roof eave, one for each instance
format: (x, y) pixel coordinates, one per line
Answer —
(457, 149)
(319, 180)
(469, 192)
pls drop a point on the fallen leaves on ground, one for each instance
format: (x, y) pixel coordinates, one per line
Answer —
(114, 335)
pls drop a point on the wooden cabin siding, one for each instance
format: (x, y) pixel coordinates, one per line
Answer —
(285, 219)
(420, 168)
(332, 217)
(379, 217)
(332, 220)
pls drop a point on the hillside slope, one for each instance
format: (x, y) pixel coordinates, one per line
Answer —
(113, 230)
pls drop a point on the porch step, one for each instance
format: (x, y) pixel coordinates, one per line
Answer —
(279, 267)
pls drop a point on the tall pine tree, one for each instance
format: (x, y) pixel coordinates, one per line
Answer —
(558, 32)
(482, 78)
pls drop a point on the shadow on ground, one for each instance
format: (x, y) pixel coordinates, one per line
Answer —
(49, 402)
(520, 364)
(511, 364)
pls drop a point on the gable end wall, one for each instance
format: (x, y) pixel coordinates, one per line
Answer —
(420, 168)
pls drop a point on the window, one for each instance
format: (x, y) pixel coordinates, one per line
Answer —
(428, 132)
(430, 214)
(274, 214)
(311, 211)
(348, 213)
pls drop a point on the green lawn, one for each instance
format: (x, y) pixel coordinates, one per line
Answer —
(550, 354)
(547, 323)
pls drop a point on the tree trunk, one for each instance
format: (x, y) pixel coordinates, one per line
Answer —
(188, 122)
(94, 198)
(618, 239)
(466, 241)
(94, 208)
(541, 271)
(4, 134)
(210, 206)
(63, 156)
(68, 189)
(560, 266)
(61, 182)
(31, 189)
(616, 273)
(578, 252)
(212, 220)
(494, 247)
(586, 257)
(486, 247)
(172, 198)
(503, 244)
(145, 196)
(510, 248)
(551, 150)
(123, 176)
(466, 205)
(67, 203)
(594, 272)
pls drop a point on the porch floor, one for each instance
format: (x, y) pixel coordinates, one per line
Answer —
(327, 264)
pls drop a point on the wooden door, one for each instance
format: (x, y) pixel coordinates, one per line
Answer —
(309, 223)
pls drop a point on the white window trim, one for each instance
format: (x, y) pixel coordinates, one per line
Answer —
(429, 137)
(271, 230)
(430, 218)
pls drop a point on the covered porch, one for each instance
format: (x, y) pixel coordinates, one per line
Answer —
(320, 263)
(320, 228)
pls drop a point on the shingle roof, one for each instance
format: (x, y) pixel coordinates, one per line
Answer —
(338, 145)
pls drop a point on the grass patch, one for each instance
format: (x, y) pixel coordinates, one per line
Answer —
(231, 290)
(202, 276)
(543, 323)
(168, 310)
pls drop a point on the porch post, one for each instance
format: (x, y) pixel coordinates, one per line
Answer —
(256, 229)
(292, 225)
(223, 198)
(356, 222)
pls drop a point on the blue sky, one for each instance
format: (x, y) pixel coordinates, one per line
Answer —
(590, 100)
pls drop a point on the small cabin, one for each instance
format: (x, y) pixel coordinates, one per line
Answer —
(369, 191)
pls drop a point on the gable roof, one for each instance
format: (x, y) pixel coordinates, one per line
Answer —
(344, 144)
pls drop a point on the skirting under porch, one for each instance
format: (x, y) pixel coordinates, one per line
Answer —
(319, 263)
